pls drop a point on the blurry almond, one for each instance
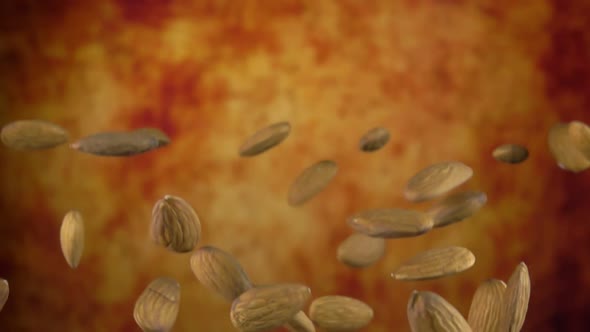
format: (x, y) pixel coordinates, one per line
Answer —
(33, 135)
(429, 312)
(359, 250)
(516, 299)
(435, 263)
(340, 313)
(391, 223)
(175, 224)
(486, 306)
(374, 139)
(300, 323)
(118, 144)
(4, 292)
(311, 181)
(457, 207)
(265, 139)
(157, 307)
(436, 180)
(564, 149)
(161, 138)
(511, 153)
(72, 237)
(220, 272)
(265, 308)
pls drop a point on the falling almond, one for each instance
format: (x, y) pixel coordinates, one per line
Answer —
(435, 263)
(436, 180)
(486, 306)
(175, 224)
(265, 139)
(119, 144)
(157, 307)
(429, 312)
(265, 308)
(374, 139)
(33, 135)
(220, 272)
(565, 151)
(579, 134)
(340, 313)
(300, 323)
(511, 153)
(72, 238)
(516, 299)
(391, 223)
(457, 207)
(311, 181)
(4, 292)
(359, 250)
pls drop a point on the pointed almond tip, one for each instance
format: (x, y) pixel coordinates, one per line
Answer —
(75, 146)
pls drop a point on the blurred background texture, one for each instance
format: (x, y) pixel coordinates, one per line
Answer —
(450, 79)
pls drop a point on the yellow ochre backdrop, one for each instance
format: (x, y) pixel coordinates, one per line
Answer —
(451, 80)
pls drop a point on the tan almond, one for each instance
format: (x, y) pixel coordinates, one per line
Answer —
(72, 238)
(486, 306)
(4, 292)
(265, 308)
(300, 323)
(516, 299)
(118, 144)
(435, 263)
(220, 272)
(175, 224)
(511, 153)
(457, 207)
(391, 223)
(437, 180)
(429, 312)
(374, 139)
(340, 313)
(565, 151)
(579, 133)
(359, 250)
(265, 139)
(157, 307)
(33, 135)
(311, 181)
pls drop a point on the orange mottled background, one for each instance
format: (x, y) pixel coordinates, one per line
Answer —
(450, 79)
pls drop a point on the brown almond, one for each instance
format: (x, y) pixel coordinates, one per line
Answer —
(359, 250)
(511, 153)
(374, 139)
(435, 263)
(311, 181)
(157, 307)
(265, 139)
(72, 238)
(486, 306)
(33, 135)
(175, 224)
(579, 134)
(340, 313)
(161, 137)
(265, 308)
(391, 223)
(457, 207)
(220, 272)
(300, 323)
(437, 180)
(564, 150)
(4, 292)
(516, 299)
(118, 144)
(429, 312)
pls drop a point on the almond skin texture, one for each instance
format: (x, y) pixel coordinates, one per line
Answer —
(220, 272)
(72, 238)
(265, 308)
(340, 313)
(175, 224)
(486, 306)
(157, 307)
(429, 312)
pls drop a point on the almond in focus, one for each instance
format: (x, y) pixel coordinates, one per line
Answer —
(175, 224)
